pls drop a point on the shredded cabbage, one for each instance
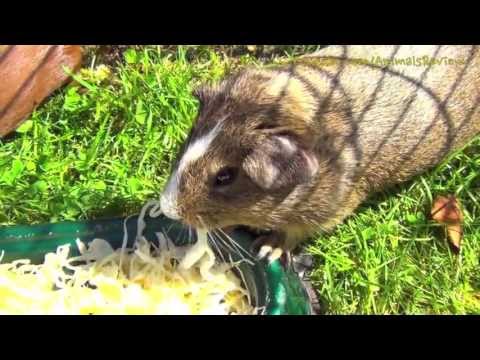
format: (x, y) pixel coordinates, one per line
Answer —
(146, 279)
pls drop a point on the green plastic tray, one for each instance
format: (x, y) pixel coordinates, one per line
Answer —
(278, 290)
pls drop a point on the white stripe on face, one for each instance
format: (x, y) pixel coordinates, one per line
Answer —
(195, 151)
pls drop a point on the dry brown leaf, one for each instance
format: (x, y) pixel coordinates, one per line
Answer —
(446, 210)
(454, 233)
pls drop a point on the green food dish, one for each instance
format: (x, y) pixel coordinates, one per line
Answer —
(271, 286)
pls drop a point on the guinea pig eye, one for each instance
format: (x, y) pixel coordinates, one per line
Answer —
(225, 176)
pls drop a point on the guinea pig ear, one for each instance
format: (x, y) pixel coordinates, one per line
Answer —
(279, 162)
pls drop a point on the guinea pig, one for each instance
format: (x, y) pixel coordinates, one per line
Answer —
(295, 148)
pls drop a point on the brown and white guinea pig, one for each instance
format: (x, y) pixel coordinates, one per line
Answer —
(296, 148)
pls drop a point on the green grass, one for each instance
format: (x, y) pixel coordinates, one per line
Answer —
(103, 146)
(390, 258)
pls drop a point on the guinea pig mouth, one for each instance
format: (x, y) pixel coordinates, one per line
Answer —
(209, 223)
(212, 225)
(249, 229)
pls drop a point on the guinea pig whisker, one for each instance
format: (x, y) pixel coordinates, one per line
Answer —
(236, 245)
(169, 240)
(169, 228)
(231, 249)
(242, 276)
(211, 239)
(182, 232)
(211, 232)
(236, 248)
(228, 243)
(225, 245)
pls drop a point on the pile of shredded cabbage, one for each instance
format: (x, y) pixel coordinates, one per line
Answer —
(148, 278)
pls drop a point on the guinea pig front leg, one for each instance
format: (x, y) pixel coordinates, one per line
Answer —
(271, 246)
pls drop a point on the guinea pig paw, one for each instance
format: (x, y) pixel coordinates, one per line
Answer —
(269, 247)
(270, 253)
(275, 255)
(264, 251)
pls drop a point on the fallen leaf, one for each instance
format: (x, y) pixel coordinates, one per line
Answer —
(454, 233)
(446, 210)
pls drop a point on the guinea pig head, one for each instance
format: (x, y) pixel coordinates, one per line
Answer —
(248, 149)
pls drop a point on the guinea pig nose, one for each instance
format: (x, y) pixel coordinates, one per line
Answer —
(169, 207)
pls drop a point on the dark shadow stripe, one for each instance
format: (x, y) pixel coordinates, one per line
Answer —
(441, 109)
(373, 96)
(3, 56)
(403, 114)
(451, 132)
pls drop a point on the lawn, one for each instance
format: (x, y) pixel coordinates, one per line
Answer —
(102, 147)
